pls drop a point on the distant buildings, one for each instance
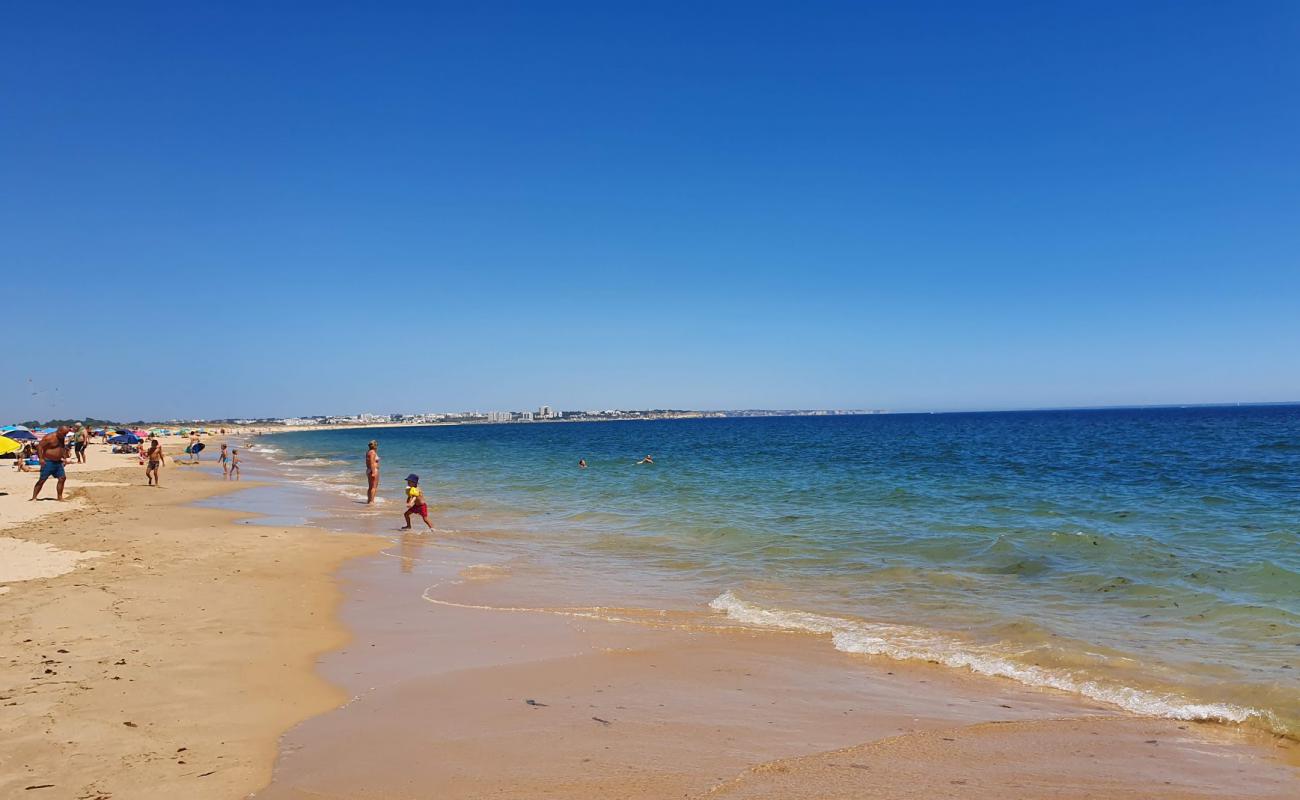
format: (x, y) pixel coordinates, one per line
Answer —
(549, 414)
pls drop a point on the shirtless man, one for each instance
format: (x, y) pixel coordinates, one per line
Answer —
(51, 451)
(154, 459)
(81, 440)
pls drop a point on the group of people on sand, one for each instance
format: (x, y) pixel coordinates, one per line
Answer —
(152, 458)
(52, 453)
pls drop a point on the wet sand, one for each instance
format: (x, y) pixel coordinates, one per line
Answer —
(167, 665)
(456, 702)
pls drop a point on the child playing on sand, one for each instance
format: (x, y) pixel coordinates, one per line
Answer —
(224, 459)
(234, 466)
(415, 502)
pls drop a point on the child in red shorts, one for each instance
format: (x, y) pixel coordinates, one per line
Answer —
(415, 502)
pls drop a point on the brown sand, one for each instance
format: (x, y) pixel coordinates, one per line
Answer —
(1128, 758)
(441, 710)
(168, 666)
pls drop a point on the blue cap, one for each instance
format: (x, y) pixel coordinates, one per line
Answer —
(413, 478)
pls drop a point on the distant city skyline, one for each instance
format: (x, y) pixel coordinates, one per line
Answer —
(217, 210)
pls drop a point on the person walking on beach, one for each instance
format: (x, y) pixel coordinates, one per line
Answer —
(223, 458)
(80, 442)
(194, 448)
(154, 459)
(51, 450)
(415, 502)
(372, 471)
(234, 465)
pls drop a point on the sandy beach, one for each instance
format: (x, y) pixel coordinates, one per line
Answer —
(161, 649)
(173, 649)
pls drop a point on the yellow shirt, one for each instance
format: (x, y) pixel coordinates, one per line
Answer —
(414, 492)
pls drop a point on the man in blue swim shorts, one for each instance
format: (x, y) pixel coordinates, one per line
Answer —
(52, 450)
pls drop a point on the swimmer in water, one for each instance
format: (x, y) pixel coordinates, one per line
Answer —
(582, 463)
(646, 460)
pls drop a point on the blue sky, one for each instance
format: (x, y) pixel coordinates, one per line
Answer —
(292, 208)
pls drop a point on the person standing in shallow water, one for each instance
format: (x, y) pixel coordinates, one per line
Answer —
(372, 471)
(415, 503)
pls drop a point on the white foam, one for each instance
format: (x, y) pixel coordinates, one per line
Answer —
(907, 643)
(315, 462)
(337, 485)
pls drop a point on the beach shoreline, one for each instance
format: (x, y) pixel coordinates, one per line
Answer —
(168, 661)
(544, 703)
(522, 691)
(332, 668)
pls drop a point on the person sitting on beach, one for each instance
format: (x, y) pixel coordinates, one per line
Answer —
(372, 471)
(415, 502)
(26, 455)
(51, 450)
(20, 459)
(154, 459)
(223, 458)
(234, 465)
(646, 460)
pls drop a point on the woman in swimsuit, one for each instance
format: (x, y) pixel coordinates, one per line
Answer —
(372, 471)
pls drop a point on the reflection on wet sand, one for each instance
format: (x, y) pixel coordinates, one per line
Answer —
(409, 547)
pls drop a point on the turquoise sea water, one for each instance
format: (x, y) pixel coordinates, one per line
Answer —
(1145, 558)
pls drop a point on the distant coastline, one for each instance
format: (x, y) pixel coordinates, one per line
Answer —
(365, 420)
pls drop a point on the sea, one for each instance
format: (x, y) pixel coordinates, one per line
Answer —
(1148, 559)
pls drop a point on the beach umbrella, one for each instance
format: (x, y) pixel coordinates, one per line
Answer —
(124, 438)
(8, 445)
(141, 434)
(22, 435)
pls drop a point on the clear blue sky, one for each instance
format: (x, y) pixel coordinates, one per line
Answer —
(291, 208)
